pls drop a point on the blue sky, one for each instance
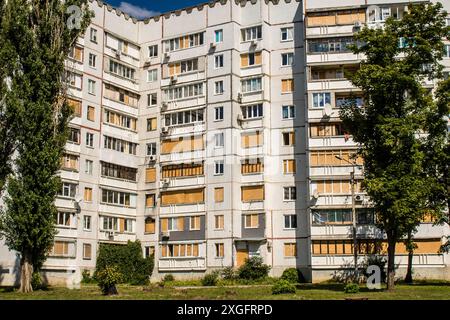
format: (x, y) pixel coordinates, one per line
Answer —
(146, 8)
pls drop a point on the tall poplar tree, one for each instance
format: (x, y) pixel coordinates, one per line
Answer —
(401, 128)
(36, 37)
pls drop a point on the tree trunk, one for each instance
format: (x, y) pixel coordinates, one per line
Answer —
(408, 277)
(26, 273)
(391, 264)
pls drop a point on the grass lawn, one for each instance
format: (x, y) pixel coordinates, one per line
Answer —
(419, 291)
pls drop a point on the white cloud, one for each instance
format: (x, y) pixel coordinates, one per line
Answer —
(136, 11)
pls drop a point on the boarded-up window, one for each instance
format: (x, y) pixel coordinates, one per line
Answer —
(288, 138)
(326, 130)
(91, 113)
(253, 139)
(149, 225)
(250, 166)
(87, 251)
(219, 222)
(333, 158)
(350, 17)
(88, 194)
(289, 166)
(76, 106)
(251, 59)
(60, 248)
(218, 194)
(150, 174)
(150, 200)
(252, 193)
(321, 19)
(251, 221)
(183, 144)
(290, 249)
(219, 250)
(287, 85)
(182, 170)
(192, 196)
(194, 223)
(151, 124)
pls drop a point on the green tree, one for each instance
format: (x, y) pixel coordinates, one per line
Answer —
(37, 39)
(402, 165)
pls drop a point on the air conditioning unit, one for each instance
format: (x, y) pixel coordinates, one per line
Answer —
(359, 198)
(117, 54)
(110, 234)
(165, 130)
(253, 43)
(164, 106)
(151, 158)
(173, 79)
(147, 63)
(239, 97)
(165, 234)
(166, 56)
(212, 45)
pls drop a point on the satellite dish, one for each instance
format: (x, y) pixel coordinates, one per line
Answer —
(327, 110)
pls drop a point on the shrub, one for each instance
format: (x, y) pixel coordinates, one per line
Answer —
(210, 279)
(86, 277)
(107, 279)
(36, 281)
(351, 288)
(168, 278)
(135, 269)
(253, 269)
(283, 286)
(293, 275)
(229, 273)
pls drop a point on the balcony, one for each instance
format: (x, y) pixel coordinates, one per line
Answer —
(182, 208)
(182, 182)
(183, 78)
(115, 236)
(252, 206)
(332, 57)
(338, 200)
(333, 141)
(183, 103)
(341, 231)
(333, 171)
(182, 156)
(187, 129)
(340, 30)
(182, 263)
(252, 178)
(330, 84)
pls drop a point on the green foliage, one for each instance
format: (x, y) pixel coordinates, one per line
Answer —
(293, 275)
(351, 288)
(86, 277)
(228, 273)
(210, 279)
(283, 286)
(36, 281)
(135, 269)
(107, 279)
(168, 278)
(377, 261)
(253, 269)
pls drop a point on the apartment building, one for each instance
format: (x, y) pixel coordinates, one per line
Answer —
(210, 134)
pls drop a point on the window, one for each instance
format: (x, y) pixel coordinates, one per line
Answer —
(120, 120)
(218, 87)
(76, 106)
(153, 51)
(252, 112)
(182, 144)
(149, 251)
(218, 36)
(127, 225)
(88, 194)
(150, 175)
(175, 224)
(87, 251)
(320, 99)
(120, 145)
(91, 86)
(194, 223)
(329, 45)
(218, 61)
(118, 198)
(252, 193)
(68, 190)
(89, 164)
(149, 225)
(120, 95)
(151, 124)
(287, 59)
(288, 112)
(92, 60)
(179, 250)
(328, 157)
(70, 162)
(290, 249)
(251, 221)
(182, 170)
(151, 149)
(251, 140)
(289, 166)
(290, 221)
(189, 41)
(251, 59)
(74, 135)
(63, 219)
(87, 223)
(219, 140)
(184, 92)
(250, 166)
(90, 113)
(152, 75)
(76, 53)
(219, 222)
(89, 139)
(121, 70)
(288, 138)
(218, 113)
(61, 249)
(182, 197)
(290, 193)
(150, 200)
(338, 186)
(287, 85)
(251, 85)
(326, 130)
(252, 33)
(343, 216)
(287, 34)
(348, 100)
(118, 172)
(218, 167)
(183, 66)
(152, 99)
(93, 35)
(447, 51)
(110, 223)
(218, 194)
(219, 250)
(184, 117)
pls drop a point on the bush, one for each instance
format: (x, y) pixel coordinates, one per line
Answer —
(253, 269)
(283, 286)
(36, 281)
(107, 279)
(210, 279)
(351, 288)
(86, 277)
(168, 278)
(293, 275)
(229, 273)
(135, 269)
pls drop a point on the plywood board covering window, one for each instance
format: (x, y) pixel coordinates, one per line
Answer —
(287, 85)
(149, 200)
(150, 174)
(149, 225)
(252, 166)
(219, 221)
(290, 249)
(328, 158)
(91, 113)
(218, 194)
(254, 139)
(252, 193)
(289, 166)
(184, 144)
(192, 196)
(179, 250)
(251, 221)
(87, 251)
(194, 223)
(75, 105)
(60, 248)
(250, 59)
(182, 170)
(88, 194)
